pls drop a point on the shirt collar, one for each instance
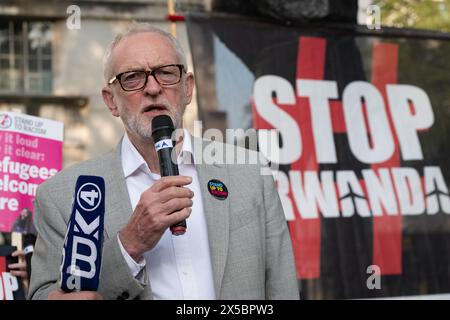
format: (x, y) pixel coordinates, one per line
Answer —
(132, 160)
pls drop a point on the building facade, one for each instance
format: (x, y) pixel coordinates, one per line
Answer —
(51, 55)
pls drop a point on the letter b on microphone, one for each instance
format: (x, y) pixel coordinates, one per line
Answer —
(82, 251)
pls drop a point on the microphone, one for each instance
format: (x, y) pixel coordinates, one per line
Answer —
(28, 247)
(82, 250)
(162, 129)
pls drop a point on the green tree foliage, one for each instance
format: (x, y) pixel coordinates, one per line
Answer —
(427, 14)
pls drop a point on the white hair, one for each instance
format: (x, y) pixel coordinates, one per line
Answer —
(138, 28)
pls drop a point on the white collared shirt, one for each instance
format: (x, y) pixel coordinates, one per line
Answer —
(179, 267)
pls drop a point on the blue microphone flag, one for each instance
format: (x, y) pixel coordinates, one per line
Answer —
(82, 250)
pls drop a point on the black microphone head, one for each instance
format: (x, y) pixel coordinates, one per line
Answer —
(162, 126)
(162, 122)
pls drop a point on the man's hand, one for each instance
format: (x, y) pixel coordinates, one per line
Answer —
(80, 295)
(162, 205)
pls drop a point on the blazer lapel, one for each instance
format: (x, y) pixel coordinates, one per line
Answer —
(118, 206)
(217, 218)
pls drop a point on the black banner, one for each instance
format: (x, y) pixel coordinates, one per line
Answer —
(362, 144)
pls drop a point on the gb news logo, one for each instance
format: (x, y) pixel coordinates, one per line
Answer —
(81, 260)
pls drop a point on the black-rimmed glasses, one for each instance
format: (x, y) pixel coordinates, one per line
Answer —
(135, 80)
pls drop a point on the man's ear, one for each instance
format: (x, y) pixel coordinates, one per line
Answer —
(108, 98)
(189, 87)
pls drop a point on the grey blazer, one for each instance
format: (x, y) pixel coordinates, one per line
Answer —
(250, 247)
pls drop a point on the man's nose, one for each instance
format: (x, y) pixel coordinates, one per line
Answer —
(152, 87)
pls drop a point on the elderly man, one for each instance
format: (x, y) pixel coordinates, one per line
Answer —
(236, 247)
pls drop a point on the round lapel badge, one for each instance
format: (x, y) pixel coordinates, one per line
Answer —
(217, 189)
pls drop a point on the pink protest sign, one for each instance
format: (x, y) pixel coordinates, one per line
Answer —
(30, 153)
